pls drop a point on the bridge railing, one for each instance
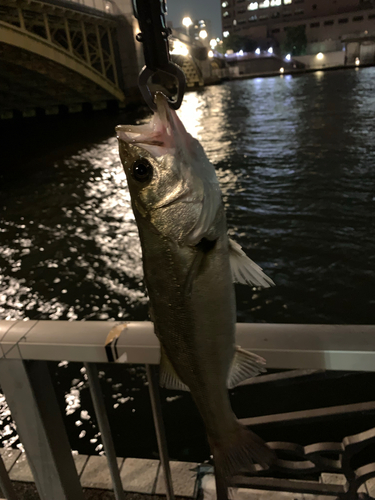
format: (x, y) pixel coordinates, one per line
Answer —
(27, 346)
(106, 6)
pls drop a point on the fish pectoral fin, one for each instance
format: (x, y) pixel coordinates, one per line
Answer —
(244, 270)
(168, 377)
(245, 365)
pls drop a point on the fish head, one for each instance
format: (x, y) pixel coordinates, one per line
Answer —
(172, 184)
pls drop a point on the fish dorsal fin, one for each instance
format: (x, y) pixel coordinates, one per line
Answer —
(244, 270)
(168, 377)
(245, 365)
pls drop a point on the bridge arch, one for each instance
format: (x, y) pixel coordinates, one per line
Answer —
(72, 50)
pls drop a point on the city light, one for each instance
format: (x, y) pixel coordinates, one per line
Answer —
(357, 61)
(270, 50)
(265, 4)
(179, 49)
(257, 51)
(226, 34)
(187, 22)
(288, 57)
(213, 43)
(320, 56)
(210, 53)
(224, 4)
(203, 34)
(240, 52)
(282, 70)
(286, 2)
(252, 6)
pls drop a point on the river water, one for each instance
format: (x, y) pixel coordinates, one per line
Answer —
(295, 159)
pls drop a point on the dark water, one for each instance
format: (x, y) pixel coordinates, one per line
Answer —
(296, 160)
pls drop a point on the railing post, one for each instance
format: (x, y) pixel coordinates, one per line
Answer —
(5, 483)
(104, 427)
(159, 428)
(33, 404)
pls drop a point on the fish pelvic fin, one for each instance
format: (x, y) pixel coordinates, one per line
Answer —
(239, 452)
(168, 377)
(244, 270)
(245, 365)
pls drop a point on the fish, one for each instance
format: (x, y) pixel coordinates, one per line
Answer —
(190, 265)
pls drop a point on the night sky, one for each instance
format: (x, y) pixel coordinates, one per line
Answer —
(196, 9)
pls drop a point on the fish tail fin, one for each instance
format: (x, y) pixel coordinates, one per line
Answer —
(237, 453)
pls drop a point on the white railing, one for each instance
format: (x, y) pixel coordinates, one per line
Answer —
(285, 346)
(26, 346)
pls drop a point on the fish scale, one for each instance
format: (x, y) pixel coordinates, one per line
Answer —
(189, 264)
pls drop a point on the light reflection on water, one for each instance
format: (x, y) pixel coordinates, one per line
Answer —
(295, 160)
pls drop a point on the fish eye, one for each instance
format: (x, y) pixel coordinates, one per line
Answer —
(142, 170)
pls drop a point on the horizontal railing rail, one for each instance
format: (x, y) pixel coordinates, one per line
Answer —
(27, 346)
(284, 346)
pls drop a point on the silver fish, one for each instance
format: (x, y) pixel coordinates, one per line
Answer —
(189, 265)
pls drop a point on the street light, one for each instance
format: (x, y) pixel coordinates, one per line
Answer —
(187, 22)
(213, 43)
(203, 34)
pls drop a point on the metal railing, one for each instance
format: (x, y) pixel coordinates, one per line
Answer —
(26, 346)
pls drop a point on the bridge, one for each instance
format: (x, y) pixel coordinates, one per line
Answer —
(63, 54)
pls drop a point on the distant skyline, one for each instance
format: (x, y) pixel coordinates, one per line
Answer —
(196, 9)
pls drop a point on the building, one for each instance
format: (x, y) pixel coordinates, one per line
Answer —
(322, 20)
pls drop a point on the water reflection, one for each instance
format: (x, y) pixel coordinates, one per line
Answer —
(295, 161)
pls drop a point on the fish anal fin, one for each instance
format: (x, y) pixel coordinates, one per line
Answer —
(244, 270)
(245, 365)
(168, 377)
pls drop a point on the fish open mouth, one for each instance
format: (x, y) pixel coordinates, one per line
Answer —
(163, 134)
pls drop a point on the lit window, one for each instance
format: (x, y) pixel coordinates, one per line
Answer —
(257, 51)
(264, 4)
(224, 4)
(226, 34)
(226, 14)
(179, 48)
(234, 22)
(252, 19)
(275, 3)
(253, 6)
(286, 2)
